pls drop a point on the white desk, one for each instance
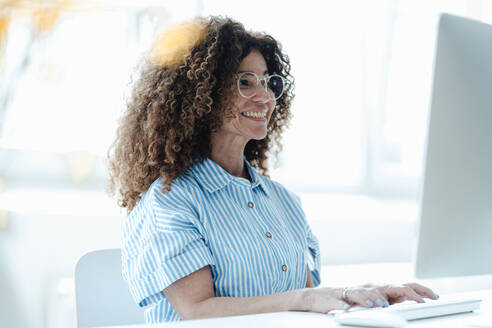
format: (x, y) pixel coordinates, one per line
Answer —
(477, 287)
(480, 318)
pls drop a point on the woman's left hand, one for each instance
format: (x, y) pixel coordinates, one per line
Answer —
(395, 297)
(388, 293)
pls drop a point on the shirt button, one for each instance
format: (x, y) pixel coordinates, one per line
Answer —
(284, 267)
(251, 205)
(268, 234)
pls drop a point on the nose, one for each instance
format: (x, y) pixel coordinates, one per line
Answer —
(262, 94)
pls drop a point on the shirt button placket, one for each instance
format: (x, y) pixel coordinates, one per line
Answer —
(284, 267)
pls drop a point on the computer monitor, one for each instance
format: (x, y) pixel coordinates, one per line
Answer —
(455, 229)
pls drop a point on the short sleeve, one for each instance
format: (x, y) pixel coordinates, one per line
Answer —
(313, 257)
(164, 243)
(312, 251)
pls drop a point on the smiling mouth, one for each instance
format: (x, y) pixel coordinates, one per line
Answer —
(257, 115)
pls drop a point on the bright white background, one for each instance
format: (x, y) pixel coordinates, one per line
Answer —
(354, 150)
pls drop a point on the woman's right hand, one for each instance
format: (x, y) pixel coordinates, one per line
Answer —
(323, 300)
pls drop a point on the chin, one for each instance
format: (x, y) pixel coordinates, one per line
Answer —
(258, 136)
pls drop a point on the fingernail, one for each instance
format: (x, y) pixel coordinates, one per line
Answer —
(436, 296)
(369, 303)
(386, 304)
(379, 302)
(346, 306)
(423, 301)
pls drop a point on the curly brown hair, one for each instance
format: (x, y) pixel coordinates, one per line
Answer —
(172, 111)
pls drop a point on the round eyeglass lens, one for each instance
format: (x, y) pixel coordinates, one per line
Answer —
(248, 84)
(276, 84)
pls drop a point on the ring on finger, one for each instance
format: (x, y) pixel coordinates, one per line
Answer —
(344, 295)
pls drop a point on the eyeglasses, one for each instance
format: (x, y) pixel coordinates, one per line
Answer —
(248, 83)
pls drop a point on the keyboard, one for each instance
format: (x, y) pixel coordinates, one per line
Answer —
(411, 310)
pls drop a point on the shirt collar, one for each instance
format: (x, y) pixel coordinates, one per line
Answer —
(213, 177)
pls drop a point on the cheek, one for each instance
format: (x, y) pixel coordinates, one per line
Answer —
(231, 124)
(240, 102)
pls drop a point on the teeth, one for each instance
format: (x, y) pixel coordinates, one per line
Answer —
(254, 114)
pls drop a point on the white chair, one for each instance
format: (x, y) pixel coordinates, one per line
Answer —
(102, 297)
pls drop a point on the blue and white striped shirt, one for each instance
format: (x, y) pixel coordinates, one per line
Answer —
(252, 234)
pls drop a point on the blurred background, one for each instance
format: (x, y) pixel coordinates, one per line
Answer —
(354, 152)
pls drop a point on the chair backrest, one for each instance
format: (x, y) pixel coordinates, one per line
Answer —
(102, 297)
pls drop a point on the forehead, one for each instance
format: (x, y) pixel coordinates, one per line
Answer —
(254, 62)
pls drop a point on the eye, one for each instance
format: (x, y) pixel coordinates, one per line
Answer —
(244, 83)
(247, 81)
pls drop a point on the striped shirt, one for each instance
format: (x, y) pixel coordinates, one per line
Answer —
(252, 234)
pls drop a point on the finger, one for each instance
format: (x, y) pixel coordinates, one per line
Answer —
(361, 298)
(411, 294)
(381, 300)
(376, 299)
(398, 299)
(422, 290)
(401, 293)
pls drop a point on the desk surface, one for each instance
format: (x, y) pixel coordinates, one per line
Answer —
(349, 275)
(479, 318)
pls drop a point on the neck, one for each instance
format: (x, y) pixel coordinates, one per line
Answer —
(228, 152)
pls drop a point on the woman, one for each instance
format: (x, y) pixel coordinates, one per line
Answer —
(208, 233)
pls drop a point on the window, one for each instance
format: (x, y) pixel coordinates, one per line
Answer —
(363, 78)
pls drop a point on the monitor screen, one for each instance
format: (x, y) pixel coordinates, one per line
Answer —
(455, 228)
